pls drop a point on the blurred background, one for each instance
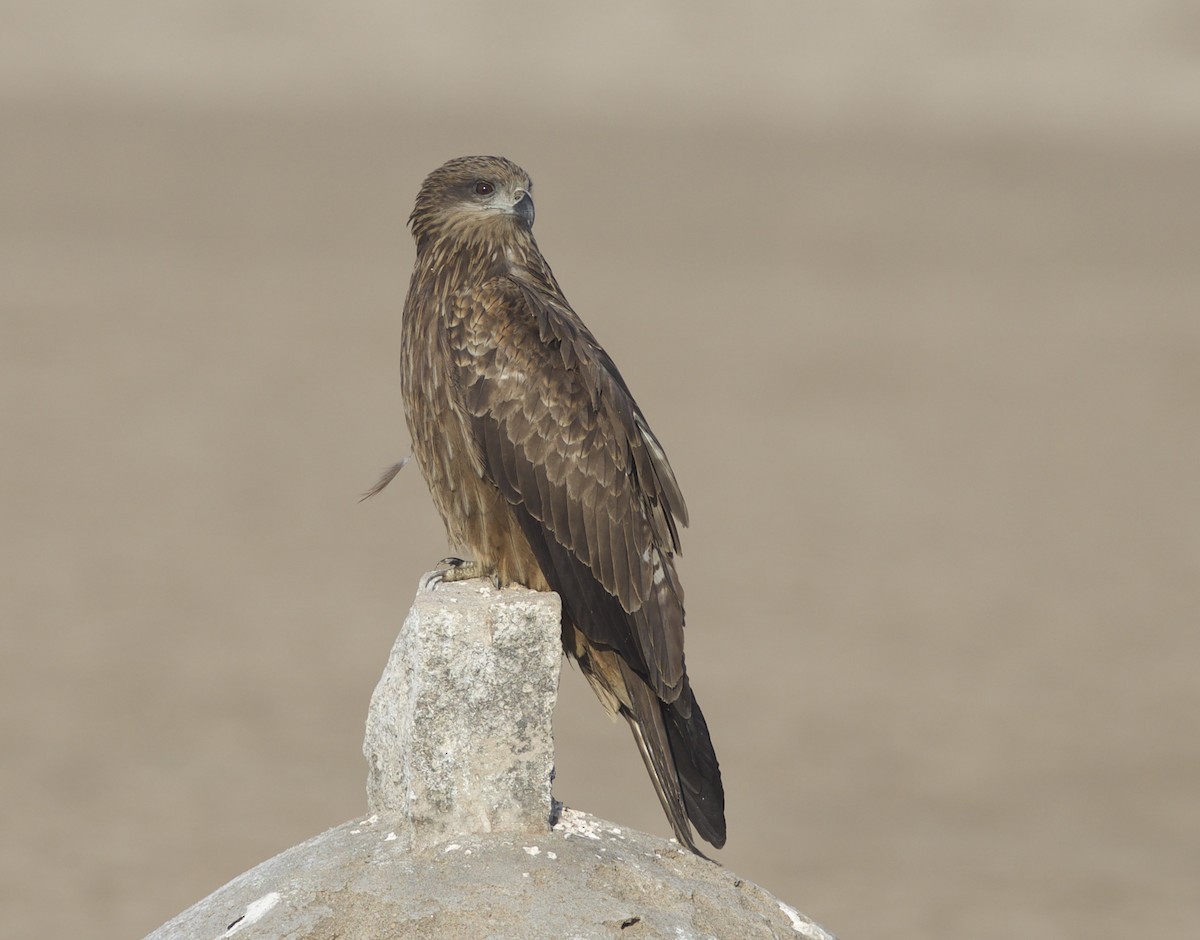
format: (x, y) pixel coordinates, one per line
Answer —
(907, 290)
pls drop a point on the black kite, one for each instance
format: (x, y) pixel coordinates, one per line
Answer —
(544, 468)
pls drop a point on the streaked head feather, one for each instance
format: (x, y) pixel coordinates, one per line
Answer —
(467, 196)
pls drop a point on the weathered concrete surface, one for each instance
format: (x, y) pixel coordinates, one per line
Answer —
(459, 734)
(460, 841)
(585, 879)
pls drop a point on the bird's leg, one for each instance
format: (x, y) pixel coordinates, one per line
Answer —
(455, 569)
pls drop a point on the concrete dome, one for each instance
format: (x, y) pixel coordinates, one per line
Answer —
(463, 839)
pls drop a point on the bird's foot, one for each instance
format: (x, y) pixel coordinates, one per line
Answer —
(455, 569)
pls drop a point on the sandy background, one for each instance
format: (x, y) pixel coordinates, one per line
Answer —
(908, 291)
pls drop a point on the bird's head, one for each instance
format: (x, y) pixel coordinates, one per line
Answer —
(470, 196)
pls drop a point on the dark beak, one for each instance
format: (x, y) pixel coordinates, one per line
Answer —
(524, 210)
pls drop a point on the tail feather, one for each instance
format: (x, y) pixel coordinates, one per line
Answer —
(679, 756)
(696, 766)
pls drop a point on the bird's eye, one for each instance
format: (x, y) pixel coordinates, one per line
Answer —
(484, 188)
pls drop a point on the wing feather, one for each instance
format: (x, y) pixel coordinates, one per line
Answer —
(560, 435)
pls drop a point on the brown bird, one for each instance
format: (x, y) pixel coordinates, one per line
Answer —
(544, 468)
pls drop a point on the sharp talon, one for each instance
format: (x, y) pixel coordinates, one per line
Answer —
(454, 569)
(430, 581)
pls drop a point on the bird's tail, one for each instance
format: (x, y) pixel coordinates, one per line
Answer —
(675, 745)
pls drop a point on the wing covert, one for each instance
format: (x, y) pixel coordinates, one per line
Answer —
(560, 435)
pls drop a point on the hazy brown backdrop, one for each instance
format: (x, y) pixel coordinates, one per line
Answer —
(908, 290)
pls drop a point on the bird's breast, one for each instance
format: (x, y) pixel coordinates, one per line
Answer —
(477, 517)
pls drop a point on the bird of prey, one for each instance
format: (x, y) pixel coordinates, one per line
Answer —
(544, 468)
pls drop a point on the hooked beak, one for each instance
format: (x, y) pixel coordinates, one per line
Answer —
(523, 210)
